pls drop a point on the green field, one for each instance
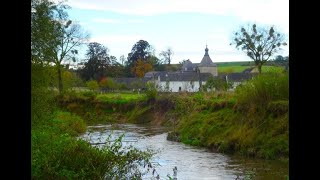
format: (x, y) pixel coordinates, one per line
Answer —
(236, 67)
(120, 98)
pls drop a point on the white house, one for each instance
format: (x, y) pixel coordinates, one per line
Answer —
(190, 78)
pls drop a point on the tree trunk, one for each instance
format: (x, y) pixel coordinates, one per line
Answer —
(60, 85)
(259, 67)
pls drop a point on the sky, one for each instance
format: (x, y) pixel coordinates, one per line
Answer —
(183, 25)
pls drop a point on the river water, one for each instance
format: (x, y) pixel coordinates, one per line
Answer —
(192, 162)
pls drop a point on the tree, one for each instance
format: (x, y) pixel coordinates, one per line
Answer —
(122, 59)
(166, 55)
(279, 58)
(259, 43)
(141, 50)
(43, 33)
(140, 68)
(217, 84)
(98, 61)
(156, 63)
(92, 85)
(139, 59)
(54, 37)
(71, 37)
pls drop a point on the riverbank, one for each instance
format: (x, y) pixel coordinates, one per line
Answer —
(251, 122)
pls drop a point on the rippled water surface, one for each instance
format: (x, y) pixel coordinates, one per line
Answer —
(191, 162)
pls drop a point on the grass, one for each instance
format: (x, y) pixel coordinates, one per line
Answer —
(232, 69)
(239, 68)
(120, 98)
(252, 121)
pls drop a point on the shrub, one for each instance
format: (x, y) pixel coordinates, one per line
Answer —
(92, 85)
(151, 91)
(60, 156)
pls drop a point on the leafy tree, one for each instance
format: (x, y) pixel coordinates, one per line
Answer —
(140, 68)
(98, 61)
(217, 84)
(108, 83)
(70, 79)
(103, 82)
(141, 50)
(54, 37)
(156, 63)
(113, 60)
(279, 58)
(115, 69)
(43, 30)
(92, 85)
(167, 55)
(259, 43)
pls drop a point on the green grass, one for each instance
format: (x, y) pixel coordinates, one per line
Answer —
(233, 68)
(227, 64)
(251, 122)
(120, 98)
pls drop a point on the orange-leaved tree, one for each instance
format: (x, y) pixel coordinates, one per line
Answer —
(141, 67)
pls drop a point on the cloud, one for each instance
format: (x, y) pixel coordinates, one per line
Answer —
(262, 11)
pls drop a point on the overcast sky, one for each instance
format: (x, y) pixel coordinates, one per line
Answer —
(185, 26)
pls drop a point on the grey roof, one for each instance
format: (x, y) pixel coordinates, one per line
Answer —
(183, 76)
(206, 60)
(151, 74)
(238, 77)
(189, 65)
(248, 70)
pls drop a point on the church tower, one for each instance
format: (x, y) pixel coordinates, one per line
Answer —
(206, 65)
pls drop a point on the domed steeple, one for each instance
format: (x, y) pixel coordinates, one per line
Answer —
(206, 60)
(206, 53)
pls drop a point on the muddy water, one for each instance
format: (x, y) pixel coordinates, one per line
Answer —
(191, 162)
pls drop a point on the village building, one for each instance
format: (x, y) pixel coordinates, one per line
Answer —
(190, 78)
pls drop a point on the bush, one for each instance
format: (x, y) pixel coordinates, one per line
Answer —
(68, 123)
(151, 91)
(92, 85)
(60, 156)
(57, 155)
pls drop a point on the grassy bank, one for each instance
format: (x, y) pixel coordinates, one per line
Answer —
(56, 153)
(253, 121)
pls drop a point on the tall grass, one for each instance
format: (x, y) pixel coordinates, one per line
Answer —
(252, 121)
(263, 89)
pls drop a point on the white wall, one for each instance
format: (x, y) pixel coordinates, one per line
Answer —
(174, 86)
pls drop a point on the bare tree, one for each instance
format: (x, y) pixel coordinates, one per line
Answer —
(167, 55)
(70, 38)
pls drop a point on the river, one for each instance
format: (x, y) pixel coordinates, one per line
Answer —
(191, 162)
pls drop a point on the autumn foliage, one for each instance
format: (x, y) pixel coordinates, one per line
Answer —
(140, 68)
